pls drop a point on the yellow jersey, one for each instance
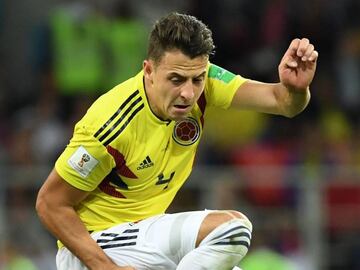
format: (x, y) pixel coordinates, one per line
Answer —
(131, 162)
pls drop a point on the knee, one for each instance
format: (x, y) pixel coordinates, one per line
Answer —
(216, 219)
(236, 214)
(231, 238)
(224, 216)
(239, 215)
(224, 240)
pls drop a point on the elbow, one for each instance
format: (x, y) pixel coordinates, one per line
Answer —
(41, 206)
(293, 111)
(290, 111)
(291, 114)
(293, 103)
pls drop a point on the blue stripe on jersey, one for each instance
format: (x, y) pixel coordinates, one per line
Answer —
(122, 106)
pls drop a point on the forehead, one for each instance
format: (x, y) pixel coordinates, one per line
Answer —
(177, 62)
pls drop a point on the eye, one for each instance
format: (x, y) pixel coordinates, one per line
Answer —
(198, 80)
(177, 80)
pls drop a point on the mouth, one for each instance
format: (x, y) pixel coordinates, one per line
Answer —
(182, 107)
(180, 111)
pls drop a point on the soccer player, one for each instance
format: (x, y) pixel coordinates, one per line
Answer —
(107, 196)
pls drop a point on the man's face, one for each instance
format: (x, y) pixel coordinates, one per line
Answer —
(175, 84)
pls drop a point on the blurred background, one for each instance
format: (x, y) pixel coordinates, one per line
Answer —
(297, 179)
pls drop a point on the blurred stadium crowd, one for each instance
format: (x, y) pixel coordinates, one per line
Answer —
(58, 56)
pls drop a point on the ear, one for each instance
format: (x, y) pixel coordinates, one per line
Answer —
(148, 67)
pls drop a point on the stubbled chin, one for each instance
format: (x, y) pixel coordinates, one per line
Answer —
(176, 116)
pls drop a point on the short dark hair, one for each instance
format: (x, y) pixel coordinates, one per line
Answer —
(180, 31)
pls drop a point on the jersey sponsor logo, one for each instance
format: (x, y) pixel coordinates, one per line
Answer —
(82, 162)
(220, 74)
(186, 132)
(145, 164)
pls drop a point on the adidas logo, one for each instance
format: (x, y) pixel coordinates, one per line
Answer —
(145, 164)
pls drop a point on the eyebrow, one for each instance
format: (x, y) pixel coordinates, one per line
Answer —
(201, 75)
(179, 75)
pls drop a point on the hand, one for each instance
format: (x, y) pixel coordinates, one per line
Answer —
(298, 65)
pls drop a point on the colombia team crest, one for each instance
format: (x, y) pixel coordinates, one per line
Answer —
(186, 132)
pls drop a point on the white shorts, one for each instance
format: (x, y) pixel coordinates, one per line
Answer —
(159, 242)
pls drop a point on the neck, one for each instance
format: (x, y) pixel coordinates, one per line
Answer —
(150, 95)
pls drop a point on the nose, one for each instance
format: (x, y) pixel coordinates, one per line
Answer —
(187, 91)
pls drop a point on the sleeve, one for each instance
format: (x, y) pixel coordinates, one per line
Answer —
(85, 161)
(220, 86)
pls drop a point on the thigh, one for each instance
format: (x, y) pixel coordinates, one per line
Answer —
(126, 244)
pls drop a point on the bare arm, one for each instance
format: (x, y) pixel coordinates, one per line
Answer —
(292, 94)
(55, 206)
(272, 98)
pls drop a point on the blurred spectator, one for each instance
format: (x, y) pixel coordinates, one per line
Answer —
(124, 44)
(272, 33)
(11, 259)
(348, 67)
(49, 135)
(95, 49)
(76, 48)
(342, 204)
(263, 173)
(5, 110)
(39, 135)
